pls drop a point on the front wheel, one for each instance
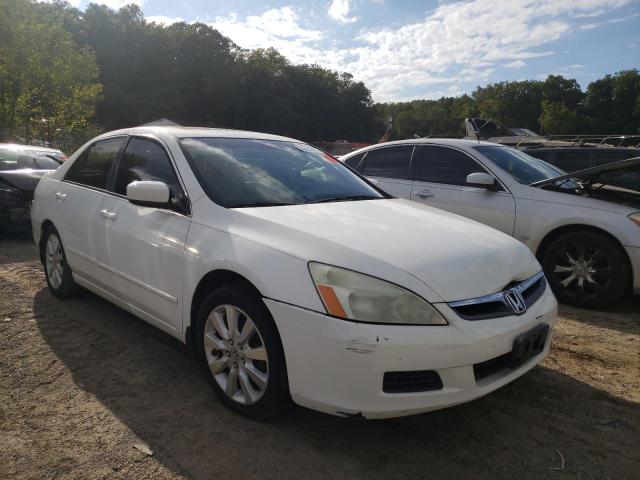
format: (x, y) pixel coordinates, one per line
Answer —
(241, 348)
(586, 269)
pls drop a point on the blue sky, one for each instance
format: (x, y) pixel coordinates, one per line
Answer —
(407, 49)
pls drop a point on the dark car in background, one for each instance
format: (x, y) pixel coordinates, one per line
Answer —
(21, 168)
(572, 159)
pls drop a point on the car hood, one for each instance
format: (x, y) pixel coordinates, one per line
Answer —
(617, 182)
(601, 174)
(25, 179)
(455, 257)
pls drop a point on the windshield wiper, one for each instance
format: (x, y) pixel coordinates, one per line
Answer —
(260, 204)
(346, 198)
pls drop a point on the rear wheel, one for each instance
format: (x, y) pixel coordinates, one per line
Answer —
(56, 269)
(242, 351)
(586, 269)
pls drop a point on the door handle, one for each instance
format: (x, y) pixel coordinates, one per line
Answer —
(107, 214)
(425, 194)
(61, 196)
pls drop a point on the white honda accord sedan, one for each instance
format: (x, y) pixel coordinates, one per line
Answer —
(291, 276)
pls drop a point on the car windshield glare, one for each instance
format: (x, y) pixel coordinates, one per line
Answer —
(524, 168)
(14, 159)
(240, 172)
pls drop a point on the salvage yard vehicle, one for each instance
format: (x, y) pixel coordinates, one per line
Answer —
(584, 228)
(291, 276)
(21, 168)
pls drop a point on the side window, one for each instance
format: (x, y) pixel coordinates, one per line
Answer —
(542, 155)
(443, 165)
(389, 162)
(573, 160)
(145, 160)
(607, 156)
(93, 167)
(354, 161)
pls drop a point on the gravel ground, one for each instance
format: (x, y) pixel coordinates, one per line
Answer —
(82, 382)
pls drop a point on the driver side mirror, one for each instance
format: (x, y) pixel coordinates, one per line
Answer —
(482, 180)
(147, 193)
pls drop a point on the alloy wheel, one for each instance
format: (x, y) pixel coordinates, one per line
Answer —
(236, 354)
(582, 270)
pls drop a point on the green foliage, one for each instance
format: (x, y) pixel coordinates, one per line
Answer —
(556, 105)
(102, 69)
(48, 87)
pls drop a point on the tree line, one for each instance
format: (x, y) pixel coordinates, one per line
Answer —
(66, 75)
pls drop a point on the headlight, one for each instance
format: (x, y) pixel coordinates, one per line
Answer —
(635, 218)
(355, 296)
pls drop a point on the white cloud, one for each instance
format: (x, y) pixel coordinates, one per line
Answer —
(163, 19)
(457, 44)
(278, 27)
(117, 4)
(516, 64)
(339, 10)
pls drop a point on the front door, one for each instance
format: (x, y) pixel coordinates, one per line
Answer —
(440, 175)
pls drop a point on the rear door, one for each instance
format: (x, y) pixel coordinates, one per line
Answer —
(440, 175)
(388, 168)
(142, 248)
(78, 198)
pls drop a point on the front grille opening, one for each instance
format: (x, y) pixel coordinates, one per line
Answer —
(489, 367)
(411, 382)
(534, 292)
(482, 311)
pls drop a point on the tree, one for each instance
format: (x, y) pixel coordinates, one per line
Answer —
(48, 88)
(557, 119)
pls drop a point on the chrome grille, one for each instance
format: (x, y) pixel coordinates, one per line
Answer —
(515, 299)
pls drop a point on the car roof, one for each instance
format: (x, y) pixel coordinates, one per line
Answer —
(608, 148)
(451, 142)
(188, 132)
(30, 148)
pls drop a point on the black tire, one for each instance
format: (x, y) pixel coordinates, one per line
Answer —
(275, 397)
(68, 286)
(600, 262)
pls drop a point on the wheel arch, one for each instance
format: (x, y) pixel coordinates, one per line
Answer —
(209, 282)
(43, 228)
(559, 231)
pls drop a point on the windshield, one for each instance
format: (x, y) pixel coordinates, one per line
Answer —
(524, 168)
(15, 159)
(240, 172)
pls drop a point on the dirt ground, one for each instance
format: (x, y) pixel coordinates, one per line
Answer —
(82, 381)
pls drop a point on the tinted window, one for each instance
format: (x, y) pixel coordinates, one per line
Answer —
(14, 159)
(542, 155)
(355, 160)
(607, 156)
(573, 160)
(443, 165)
(93, 167)
(390, 162)
(524, 168)
(145, 160)
(245, 172)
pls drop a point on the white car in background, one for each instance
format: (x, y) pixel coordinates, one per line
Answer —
(585, 232)
(291, 276)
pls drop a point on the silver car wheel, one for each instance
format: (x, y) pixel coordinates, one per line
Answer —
(53, 261)
(236, 354)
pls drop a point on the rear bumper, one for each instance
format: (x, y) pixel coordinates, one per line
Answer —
(337, 366)
(634, 257)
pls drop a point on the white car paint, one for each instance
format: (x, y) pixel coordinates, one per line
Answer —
(522, 211)
(150, 261)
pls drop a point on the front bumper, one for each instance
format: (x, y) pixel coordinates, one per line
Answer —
(337, 366)
(634, 257)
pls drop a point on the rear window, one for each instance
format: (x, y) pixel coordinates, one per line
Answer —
(388, 162)
(14, 159)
